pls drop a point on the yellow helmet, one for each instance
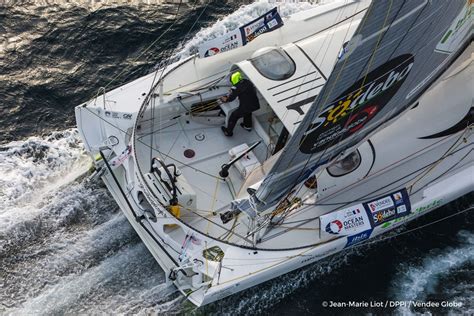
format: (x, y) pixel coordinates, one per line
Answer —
(236, 77)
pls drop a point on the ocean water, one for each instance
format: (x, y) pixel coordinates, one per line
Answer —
(65, 246)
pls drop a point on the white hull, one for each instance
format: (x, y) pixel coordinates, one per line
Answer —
(459, 184)
(437, 169)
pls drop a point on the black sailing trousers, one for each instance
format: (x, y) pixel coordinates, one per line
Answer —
(236, 115)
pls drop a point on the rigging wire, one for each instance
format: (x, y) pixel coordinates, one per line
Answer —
(231, 230)
(153, 100)
(378, 41)
(453, 147)
(303, 253)
(345, 203)
(225, 228)
(151, 146)
(314, 114)
(156, 72)
(147, 145)
(325, 101)
(406, 157)
(154, 86)
(324, 56)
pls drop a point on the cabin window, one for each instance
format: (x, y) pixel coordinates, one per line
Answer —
(274, 64)
(346, 165)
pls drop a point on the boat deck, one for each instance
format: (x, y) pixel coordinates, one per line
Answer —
(213, 193)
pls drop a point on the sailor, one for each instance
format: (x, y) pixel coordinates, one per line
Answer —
(248, 102)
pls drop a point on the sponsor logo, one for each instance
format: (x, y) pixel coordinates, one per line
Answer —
(398, 197)
(351, 222)
(267, 22)
(254, 26)
(382, 216)
(457, 31)
(384, 209)
(252, 36)
(381, 204)
(354, 239)
(230, 46)
(221, 44)
(354, 222)
(272, 23)
(334, 227)
(356, 106)
(211, 51)
(429, 206)
(401, 209)
(118, 115)
(418, 210)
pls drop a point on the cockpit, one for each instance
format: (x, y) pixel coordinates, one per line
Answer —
(186, 158)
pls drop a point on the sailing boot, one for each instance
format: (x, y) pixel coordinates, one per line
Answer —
(248, 129)
(226, 131)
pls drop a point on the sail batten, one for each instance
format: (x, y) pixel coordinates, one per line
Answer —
(399, 49)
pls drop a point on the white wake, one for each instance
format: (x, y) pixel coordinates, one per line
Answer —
(418, 282)
(64, 245)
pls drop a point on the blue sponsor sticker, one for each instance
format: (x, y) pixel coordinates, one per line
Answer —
(265, 23)
(355, 239)
(388, 207)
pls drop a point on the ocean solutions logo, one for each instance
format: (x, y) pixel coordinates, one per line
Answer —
(356, 106)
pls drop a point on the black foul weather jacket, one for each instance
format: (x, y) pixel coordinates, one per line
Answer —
(247, 96)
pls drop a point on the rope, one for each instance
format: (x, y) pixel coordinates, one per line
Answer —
(453, 147)
(303, 253)
(365, 198)
(149, 146)
(412, 230)
(325, 101)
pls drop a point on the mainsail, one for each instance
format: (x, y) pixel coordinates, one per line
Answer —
(391, 60)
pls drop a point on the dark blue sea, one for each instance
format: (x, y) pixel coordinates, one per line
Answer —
(65, 247)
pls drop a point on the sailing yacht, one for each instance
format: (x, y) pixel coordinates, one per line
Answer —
(365, 123)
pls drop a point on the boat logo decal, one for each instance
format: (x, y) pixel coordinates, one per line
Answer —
(381, 204)
(356, 106)
(389, 207)
(120, 159)
(118, 115)
(211, 51)
(348, 221)
(418, 210)
(334, 227)
(355, 239)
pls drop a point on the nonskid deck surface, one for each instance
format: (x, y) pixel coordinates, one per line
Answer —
(300, 225)
(211, 150)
